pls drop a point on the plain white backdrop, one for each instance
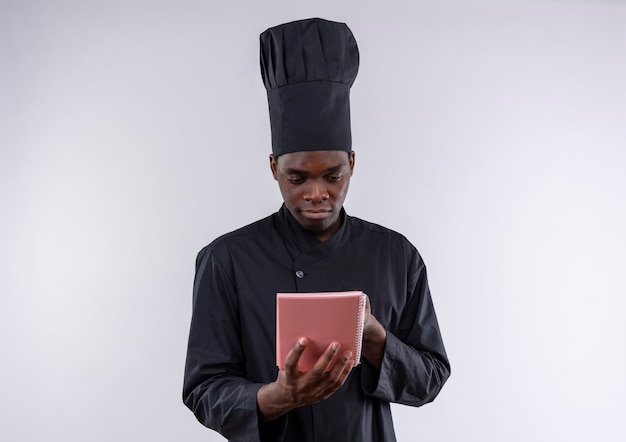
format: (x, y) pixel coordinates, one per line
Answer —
(492, 134)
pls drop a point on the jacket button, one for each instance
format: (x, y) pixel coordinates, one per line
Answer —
(300, 274)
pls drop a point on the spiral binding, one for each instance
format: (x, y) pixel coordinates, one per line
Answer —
(358, 337)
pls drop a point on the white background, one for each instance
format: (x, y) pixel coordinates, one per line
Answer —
(492, 134)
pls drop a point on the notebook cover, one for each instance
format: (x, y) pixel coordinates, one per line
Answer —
(322, 318)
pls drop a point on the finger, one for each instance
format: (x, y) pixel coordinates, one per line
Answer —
(324, 362)
(341, 369)
(291, 361)
(338, 375)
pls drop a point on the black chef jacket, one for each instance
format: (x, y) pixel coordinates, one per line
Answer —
(231, 351)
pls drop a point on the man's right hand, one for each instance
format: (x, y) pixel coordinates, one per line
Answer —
(294, 388)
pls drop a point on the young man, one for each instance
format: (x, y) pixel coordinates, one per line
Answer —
(231, 382)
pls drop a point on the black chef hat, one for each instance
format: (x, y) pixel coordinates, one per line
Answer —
(308, 67)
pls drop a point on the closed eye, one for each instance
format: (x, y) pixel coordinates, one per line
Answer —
(296, 179)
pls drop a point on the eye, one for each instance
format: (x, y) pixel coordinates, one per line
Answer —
(295, 179)
(333, 178)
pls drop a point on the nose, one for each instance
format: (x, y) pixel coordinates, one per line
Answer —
(316, 192)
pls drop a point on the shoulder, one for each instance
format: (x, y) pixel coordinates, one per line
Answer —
(382, 238)
(258, 231)
(372, 230)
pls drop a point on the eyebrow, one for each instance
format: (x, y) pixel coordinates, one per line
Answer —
(294, 171)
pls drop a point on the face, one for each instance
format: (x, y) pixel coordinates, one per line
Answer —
(314, 185)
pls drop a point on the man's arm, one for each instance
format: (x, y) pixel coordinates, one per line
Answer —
(411, 366)
(215, 387)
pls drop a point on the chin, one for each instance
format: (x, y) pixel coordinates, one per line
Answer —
(314, 225)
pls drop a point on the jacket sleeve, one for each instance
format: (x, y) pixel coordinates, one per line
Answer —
(214, 386)
(415, 365)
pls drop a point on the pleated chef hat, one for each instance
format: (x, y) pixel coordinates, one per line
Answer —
(308, 67)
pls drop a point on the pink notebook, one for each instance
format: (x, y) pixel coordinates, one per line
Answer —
(322, 318)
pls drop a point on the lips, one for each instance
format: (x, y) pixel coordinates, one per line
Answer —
(316, 214)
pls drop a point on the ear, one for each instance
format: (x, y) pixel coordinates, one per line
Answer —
(274, 166)
(351, 159)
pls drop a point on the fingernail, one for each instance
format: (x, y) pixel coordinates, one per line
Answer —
(302, 341)
(334, 346)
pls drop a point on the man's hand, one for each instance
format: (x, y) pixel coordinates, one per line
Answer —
(294, 388)
(374, 338)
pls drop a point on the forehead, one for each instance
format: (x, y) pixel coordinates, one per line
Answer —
(313, 160)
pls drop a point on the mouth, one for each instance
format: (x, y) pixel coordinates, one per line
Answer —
(316, 214)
